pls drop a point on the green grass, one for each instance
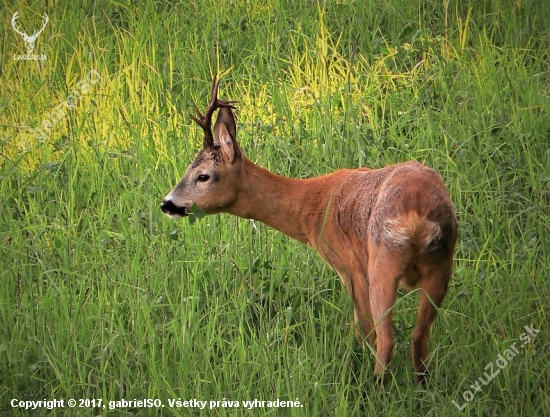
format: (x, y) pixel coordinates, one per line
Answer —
(102, 296)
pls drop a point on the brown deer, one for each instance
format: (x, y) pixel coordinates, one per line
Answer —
(376, 227)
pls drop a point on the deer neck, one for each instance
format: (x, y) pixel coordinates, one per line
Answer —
(272, 199)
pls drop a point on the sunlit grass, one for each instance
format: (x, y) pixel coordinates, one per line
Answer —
(102, 296)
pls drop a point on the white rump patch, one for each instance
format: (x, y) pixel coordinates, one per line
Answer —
(405, 231)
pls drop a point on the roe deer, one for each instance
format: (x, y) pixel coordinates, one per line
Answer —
(376, 227)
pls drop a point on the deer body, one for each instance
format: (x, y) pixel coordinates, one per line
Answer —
(376, 228)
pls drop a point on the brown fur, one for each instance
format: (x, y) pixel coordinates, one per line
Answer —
(376, 228)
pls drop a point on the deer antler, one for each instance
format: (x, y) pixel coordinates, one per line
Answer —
(13, 23)
(205, 121)
(46, 20)
(29, 40)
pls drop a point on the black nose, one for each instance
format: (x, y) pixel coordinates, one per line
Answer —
(170, 208)
(166, 206)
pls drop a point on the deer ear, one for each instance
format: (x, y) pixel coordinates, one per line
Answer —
(224, 135)
(225, 115)
(228, 144)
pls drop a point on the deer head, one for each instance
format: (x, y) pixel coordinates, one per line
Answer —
(29, 40)
(211, 181)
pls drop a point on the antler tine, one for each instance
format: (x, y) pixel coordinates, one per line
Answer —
(214, 91)
(46, 20)
(198, 120)
(205, 120)
(14, 23)
(215, 102)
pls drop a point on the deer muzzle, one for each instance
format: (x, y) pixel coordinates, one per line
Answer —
(168, 207)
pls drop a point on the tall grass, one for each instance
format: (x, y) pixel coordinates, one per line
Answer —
(104, 297)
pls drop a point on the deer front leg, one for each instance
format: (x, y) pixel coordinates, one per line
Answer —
(358, 289)
(364, 328)
(383, 278)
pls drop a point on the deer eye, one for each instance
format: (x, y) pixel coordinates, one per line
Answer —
(203, 178)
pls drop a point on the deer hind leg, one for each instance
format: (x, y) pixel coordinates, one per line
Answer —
(433, 283)
(384, 272)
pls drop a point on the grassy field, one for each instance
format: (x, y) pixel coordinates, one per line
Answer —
(102, 297)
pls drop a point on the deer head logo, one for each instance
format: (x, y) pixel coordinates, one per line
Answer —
(29, 40)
